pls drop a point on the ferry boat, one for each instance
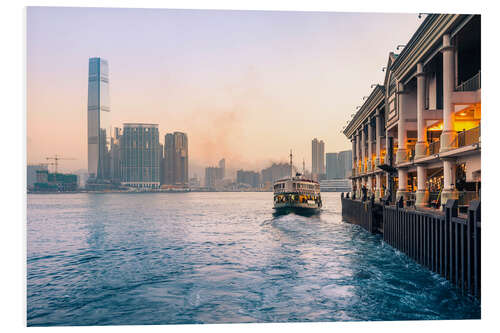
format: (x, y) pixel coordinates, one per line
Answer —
(296, 193)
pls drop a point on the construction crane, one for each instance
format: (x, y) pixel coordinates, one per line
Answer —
(56, 158)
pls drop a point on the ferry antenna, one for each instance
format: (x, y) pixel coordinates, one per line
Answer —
(291, 165)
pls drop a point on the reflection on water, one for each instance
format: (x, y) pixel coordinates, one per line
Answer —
(217, 258)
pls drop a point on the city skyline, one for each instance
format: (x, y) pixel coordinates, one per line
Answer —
(239, 97)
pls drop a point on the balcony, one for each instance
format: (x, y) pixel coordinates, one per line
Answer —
(411, 152)
(472, 84)
(434, 147)
(469, 137)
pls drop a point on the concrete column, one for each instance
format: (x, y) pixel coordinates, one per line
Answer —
(449, 134)
(358, 194)
(449, 190)
(421, 145)
(402, 184)
(422, 195)
(378, 186)
(370, 144)
(402, 153)
(368, 186)
(358, 154)
(353, 166)
(378, 135)
(363, 149)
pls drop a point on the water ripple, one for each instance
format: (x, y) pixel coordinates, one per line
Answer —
(117, 259)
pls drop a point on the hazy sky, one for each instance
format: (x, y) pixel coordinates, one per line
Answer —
(244, 85)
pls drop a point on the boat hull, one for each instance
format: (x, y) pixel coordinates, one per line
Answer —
(297, 208)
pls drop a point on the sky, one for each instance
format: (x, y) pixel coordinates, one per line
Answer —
(246, 86)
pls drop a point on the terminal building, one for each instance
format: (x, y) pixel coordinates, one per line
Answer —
(418, 136)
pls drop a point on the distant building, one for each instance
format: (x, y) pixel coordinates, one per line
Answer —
(212, 174)
(248, 177)
(332, 166)
(140, 155)
(338, 165)
(335, 185)
(98, 120)
(222, 167)
(31, 173)
(176, 161)
(345, 162)
(275, 172)
(115, 171)
(318, 157)
(194, 182)
(54, 182)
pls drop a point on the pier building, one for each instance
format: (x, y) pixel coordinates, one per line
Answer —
(418, 136)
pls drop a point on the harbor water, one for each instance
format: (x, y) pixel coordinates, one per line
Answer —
(177, 258)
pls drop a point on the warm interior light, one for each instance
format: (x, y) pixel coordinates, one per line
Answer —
(436, 127)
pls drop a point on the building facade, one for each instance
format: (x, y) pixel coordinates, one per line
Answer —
(418, 135)
(335, 185)
(98, 122)
(275, 172)
(176, 159)
(31, 173)
(140, 155)
(248, 177)
(212, 174)
(332, 166)
(338, 165)
(345, 162)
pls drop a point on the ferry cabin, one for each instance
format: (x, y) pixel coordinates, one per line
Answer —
(296, 190)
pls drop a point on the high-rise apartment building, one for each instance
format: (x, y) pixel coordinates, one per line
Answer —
(98, 120)
(176, 169)
(332, 166)
(338, 165)
(140, 155)
(318, 157)
(345, 161)
(212, 174)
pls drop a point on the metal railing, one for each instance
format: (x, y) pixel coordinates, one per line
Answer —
(469, 137)
(472, 84)
(434, 147)
(411, 152)
(465, 197)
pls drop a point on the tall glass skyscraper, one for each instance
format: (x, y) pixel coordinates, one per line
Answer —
(98, 119)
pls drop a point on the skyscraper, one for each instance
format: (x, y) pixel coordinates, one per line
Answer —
(98, 119)
(318, 157)
(321, 157)
(140, 155)
(222, 166)
(176, 169)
